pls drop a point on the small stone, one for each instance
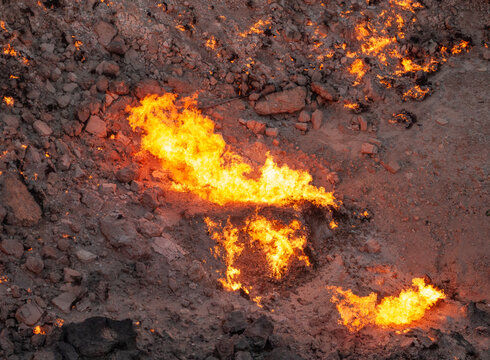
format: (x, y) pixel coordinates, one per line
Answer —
(119, 232)
(117, 46)
(442, 121)
(362, 123)
(148, 87)
(105, 32)
(272, 132)
(258, 332)
(108, 188)
(316, 119)
(369, 149)
(12, 121)
(34, 264)
(257, 127)
(304, 116)
(371, 247)
(102, 84)
(85, 256)
(119, 88)
(42, 128)
(96, 126)
(83, 114)
(109, 68)
(28, 314)
(301, 126)
(64, 301)
(12, 247)
(392, 166)
(196, 271)
(166, 246)
(234, 323)
(287, 101)
(72, 276)
(63, 101)
(70, 87)
(243, 355)
(127, 174)
(325, 91)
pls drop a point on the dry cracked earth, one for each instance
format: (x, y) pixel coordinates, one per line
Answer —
(101, 259)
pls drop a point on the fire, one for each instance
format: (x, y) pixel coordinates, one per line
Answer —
(38, 330)
(59, 322)
(8, 100)
(200, 161)
(9, 50)
(256, 28)
(78, 44)
(211, 43)
(357, 68)
(281, 243)
(3, 278)
(463, 45)
(416, 93)
(409, 306)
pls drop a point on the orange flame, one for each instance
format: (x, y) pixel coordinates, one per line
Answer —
(357, 68)
(9, 50)
(201, 163)
(256, 28)
(8, 100)
(416, 93)
(38, 330)
(279, 242)
(411, 305)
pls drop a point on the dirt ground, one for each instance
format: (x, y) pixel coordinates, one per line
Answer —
(90, 227)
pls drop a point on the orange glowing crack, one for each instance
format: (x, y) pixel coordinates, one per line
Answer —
(411, 305)
(200, 161)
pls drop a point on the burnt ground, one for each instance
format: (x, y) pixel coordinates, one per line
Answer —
(89, 228)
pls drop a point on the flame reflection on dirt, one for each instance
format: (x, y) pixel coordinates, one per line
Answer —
(411, 305)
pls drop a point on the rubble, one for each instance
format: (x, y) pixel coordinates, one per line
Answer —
(287, 101)
(21, 207)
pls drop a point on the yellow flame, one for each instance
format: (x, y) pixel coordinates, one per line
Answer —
(201, 163)
(411, 305)
(416, 93)
(357, 68)
(38, 330)
(256, 28)
(9, 50)
(8, 100)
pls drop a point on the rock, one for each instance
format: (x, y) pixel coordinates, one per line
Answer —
(234, 323)
(304, 116)
(117, 46)
(119, 87)
(85, 256)
(287, 101)
(96, 126)
(325, 91)
(21, 207)
(102, 84)
(442, 121)
(371, 246)
(272, 132)
(105, 32)
(316, 119)
(363, 124)
(72, 276)
(369, 149)
(11, 121)
(28, 314)
(109, 68)
(12, 247)
(119, 232)
(102, 338)
(149, 199)
(225, 348)
(42, 128)
(127, 174)
(257, 127)
(64, 301)
(149, 228)
(258, 332)
(63, 101)
(392, 166)
(3, 213)
(282, 354)
(165, 246)
(196, 272)
(148, 87)
(244, 355)
(301, 126)
(83, 113)
(34, 264)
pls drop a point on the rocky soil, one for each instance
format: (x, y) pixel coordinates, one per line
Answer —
(100, 259)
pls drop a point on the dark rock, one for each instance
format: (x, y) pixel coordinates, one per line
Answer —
(34, 264)
(149, 199)
(12, 247)
(225, 349)
(316, 119)
(325, 91)
(117, 46)
(67, 351)
(119, 88)
(109, 68)
(21, 207)
(287, 101)
(282, 354)
(99, 337)
(105, 32)
(96, 126)
(64, 301)
(148, 87)
(119, 232)
(258, 332)
(235, 323)
(28, 314)
(127, 174)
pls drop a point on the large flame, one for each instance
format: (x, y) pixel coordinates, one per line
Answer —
(201, 163)
(280, 243)
(411, 305)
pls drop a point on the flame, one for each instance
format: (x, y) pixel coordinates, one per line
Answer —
(279, 242)
(59, 322)
(211, 43)
(78, 44)
(457, 49)
(416, 93)
(9, 50)
(409, 306)
(357, 68)
(38, 330)
(256, 28)
(2, 25)
(200, 162)
(3, 278)
(8, 100)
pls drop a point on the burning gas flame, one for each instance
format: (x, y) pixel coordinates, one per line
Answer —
(8, 100)
(411, 305)
(200, 162)
(279, 242)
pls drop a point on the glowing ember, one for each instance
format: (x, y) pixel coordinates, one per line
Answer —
(3, 278)
(256, 28)
(357, 68)
(279, 242)
(201, 163)
(59, 322)
(411, 305)
(38, 330)
(416, 93)
(211, 43)
(8, 100)
(9, 50)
